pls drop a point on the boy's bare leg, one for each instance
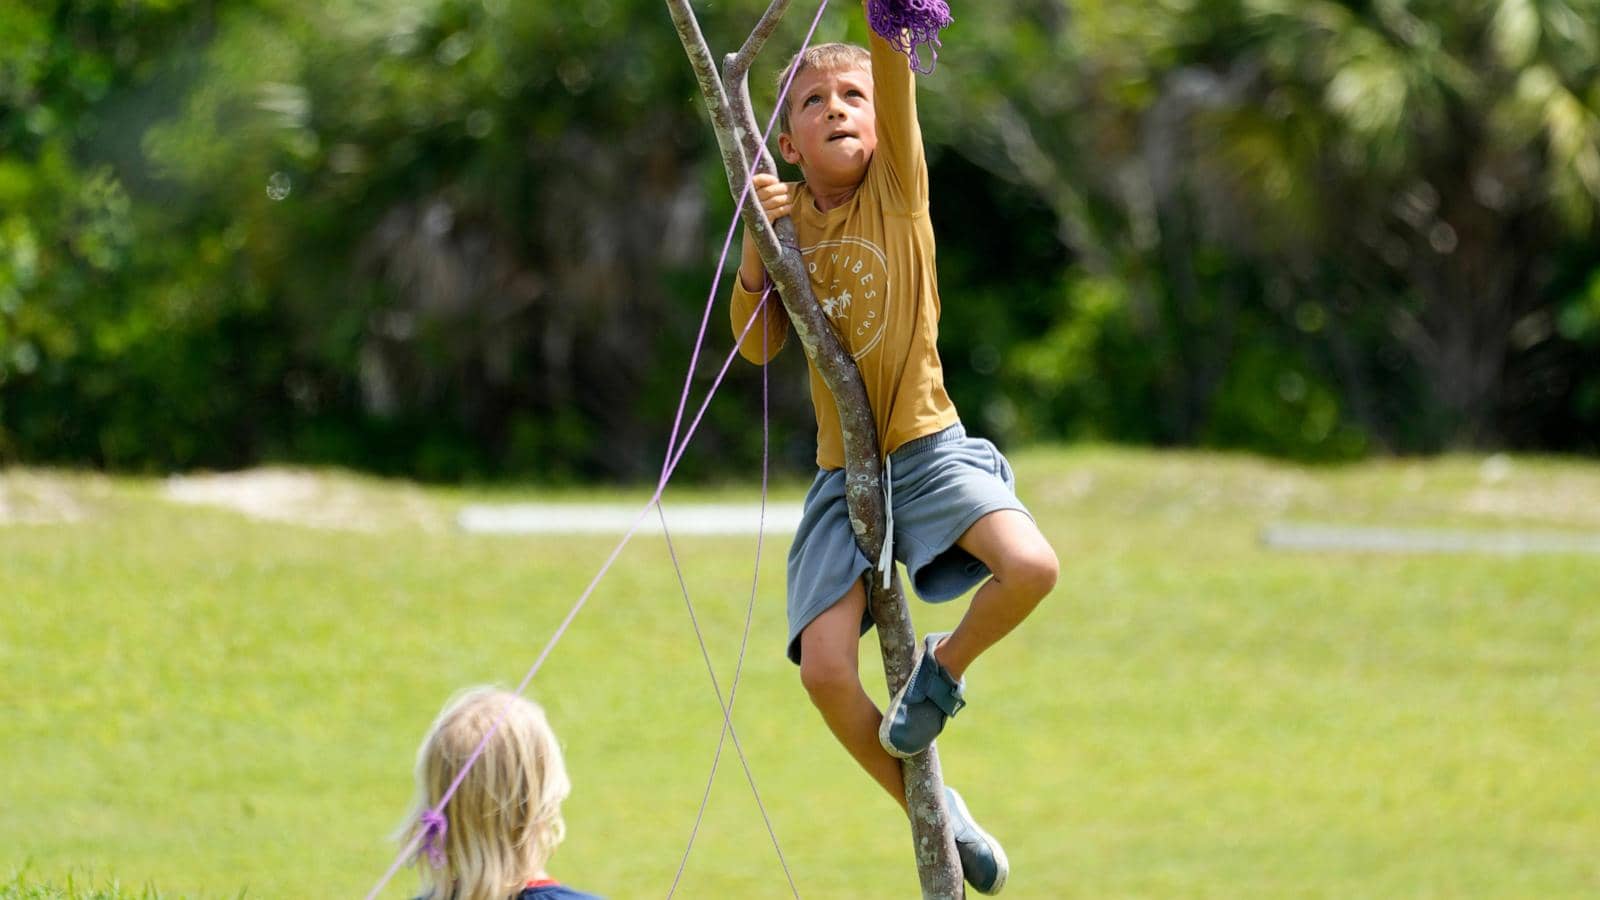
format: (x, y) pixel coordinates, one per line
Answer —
(829, 668)
(1025, 570)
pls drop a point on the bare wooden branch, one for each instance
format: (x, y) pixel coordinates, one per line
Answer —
(739, 138)
(937, 864)
(758, 38)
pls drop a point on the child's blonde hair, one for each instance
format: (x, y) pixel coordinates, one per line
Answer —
(821, 56)
(504, 821)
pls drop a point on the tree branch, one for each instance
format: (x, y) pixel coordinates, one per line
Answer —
(739, 138)
(758, 39)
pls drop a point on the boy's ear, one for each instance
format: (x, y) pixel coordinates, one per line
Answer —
(791, 155)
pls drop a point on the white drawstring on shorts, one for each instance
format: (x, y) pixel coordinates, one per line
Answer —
(886, 558)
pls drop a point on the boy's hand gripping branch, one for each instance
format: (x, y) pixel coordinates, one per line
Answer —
(777, 200)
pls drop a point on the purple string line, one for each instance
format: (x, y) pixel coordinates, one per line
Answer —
(716, 277)
(738, 669)
(727, 721)
(416, 839)
(669, 465)
(727, 241)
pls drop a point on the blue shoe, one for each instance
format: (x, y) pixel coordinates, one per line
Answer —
(918, 712)
(983, 860)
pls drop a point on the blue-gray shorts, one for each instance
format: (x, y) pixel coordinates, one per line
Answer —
(941, 484)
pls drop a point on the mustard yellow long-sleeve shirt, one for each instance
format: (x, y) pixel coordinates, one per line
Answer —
(871, 263)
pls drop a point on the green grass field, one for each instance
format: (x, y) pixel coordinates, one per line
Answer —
(217, 706)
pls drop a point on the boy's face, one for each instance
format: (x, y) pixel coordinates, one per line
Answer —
(833, 129)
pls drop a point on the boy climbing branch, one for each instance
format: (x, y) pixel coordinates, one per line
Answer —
(855, 232)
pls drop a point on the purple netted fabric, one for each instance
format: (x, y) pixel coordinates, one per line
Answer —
(434, 825)
(908, 24)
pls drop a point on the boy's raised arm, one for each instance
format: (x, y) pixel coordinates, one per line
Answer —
(894, 91)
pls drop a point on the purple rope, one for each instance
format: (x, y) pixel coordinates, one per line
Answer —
(738, 669)
(906, 24)
(727, 244)
(674, 455)
(561, 630)
(727, 721)
(721, 374)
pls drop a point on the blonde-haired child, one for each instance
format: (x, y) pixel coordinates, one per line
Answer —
(494, 838)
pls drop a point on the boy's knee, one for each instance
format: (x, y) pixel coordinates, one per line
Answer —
(827, 676)
(1033, 571)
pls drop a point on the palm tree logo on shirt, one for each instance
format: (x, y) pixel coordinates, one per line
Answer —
(839, 305)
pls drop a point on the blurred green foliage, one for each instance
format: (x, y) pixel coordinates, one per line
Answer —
(1317, 228)
(457, 238)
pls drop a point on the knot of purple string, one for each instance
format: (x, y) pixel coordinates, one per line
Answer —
(908, 24)
(434, 825)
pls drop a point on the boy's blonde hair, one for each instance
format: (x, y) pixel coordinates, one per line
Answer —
(827, 57)
(504, 821)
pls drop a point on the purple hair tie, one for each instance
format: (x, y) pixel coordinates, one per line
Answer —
(906, 24)
(434, 825)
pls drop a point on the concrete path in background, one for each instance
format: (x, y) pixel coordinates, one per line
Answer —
(1370, 539)
(588, 518)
